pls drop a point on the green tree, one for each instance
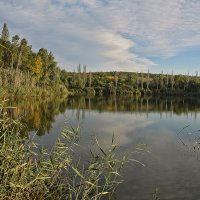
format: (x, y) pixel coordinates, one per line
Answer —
(15, 49)
(5, 33)
(36, 66)
(64, 78)
(84, 76)
(5, 52)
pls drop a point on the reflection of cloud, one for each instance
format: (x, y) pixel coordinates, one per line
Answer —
(121, 125)
(169, 166)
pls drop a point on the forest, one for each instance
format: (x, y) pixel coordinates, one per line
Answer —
(24, 72)
(132, 83)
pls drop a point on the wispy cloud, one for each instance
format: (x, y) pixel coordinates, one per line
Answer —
(106, 35)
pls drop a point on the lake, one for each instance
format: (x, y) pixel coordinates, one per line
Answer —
(171, 156)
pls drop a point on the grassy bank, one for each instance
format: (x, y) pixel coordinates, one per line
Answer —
(28, 171)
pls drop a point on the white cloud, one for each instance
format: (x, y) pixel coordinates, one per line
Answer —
(106, 35)
(163, 28)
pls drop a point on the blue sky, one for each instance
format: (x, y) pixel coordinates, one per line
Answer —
(109, 35)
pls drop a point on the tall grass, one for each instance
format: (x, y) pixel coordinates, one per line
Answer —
(17, 83)
(28, 171)
(15, 78)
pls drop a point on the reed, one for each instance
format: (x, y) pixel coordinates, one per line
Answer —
(29, 171)
(17, 83)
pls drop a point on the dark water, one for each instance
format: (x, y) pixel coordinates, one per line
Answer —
(172, 166)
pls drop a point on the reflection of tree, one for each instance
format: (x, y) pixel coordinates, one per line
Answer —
(38, 115)
(134, 104)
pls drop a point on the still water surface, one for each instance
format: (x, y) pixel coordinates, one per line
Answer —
(171, 167)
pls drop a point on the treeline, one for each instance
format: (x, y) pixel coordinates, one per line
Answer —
(25, 72)
(119, 83)
(23, 69)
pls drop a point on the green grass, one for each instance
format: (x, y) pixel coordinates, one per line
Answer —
(28, 171)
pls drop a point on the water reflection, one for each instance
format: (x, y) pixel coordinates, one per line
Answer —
(39, 115)
(173, 164)
(166, 107)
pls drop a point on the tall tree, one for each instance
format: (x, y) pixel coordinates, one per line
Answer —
(36, 66)
(196, 74)
(167, 80)
(15, 49)
(116, 79)
(5, 33)
(147, 80)
(137, 81)
(90, 79)
(79, 75)
(187, 80)
(15, 40)
(161, 80)
(24, 54)
(172, 80)
(74, 79)
(142, 81)
(5, 52)
(84, 76)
